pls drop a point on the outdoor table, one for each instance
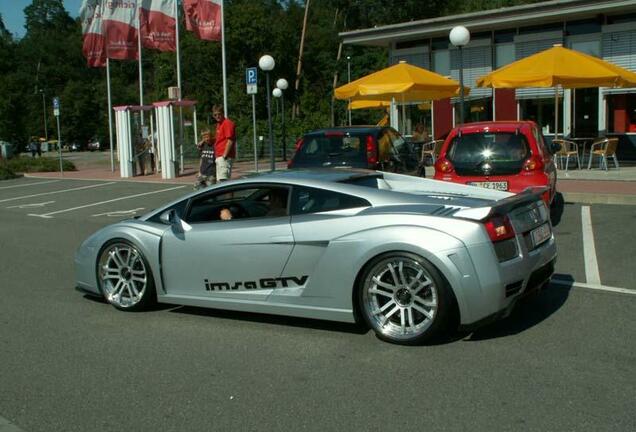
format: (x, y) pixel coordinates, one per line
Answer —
(582, 142)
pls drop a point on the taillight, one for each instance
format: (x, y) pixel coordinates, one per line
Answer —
(499, 228)
(444, 166)
(298, 144)
(372, 155)
(534, 163)
(297, 147)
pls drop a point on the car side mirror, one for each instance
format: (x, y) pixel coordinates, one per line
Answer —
(169, 217)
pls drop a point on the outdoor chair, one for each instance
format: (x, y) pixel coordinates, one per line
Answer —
(568, 149)
(431, 150)
(604, 148)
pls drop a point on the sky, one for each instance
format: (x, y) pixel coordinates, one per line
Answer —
(12, 12)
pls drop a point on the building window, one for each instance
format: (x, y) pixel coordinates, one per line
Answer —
(621, 113)
(541, 111)
(475, 110)
(441, 62)
(504, 54)
(590, 47)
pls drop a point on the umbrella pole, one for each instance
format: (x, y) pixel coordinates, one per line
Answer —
(556, 111)
(403, 116)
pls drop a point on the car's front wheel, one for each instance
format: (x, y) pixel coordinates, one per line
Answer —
(404, 299)
(125, 278)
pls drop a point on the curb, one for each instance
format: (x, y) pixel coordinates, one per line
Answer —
(597, 198)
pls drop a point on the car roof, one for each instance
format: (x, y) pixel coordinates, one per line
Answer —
(315, 174)
(357, 128)
(501, 126)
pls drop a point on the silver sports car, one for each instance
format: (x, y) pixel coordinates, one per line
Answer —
(406, 255)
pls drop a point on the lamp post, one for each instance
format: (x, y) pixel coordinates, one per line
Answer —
(348, 81)
(282, 85)
(46, 129)
(267, 63)
(459, 37)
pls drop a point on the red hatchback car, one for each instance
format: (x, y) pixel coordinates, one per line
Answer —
(503, 155)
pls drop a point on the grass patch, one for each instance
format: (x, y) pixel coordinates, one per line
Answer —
(38, 164)
(6, 173)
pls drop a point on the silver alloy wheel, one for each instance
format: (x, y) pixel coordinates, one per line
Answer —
(400, 298)
(122, 275)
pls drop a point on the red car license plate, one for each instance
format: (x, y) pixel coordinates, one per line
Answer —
(540, 234)
(497, 185)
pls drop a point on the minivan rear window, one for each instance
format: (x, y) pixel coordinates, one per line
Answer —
(488, 153)
(333, 149)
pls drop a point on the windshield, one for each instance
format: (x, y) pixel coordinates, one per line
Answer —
(337, 149)
(488, 153)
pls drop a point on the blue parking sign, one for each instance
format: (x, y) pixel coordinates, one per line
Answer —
(250, 75)
(56, 103)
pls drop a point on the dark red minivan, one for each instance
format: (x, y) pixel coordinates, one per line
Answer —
(503, 155)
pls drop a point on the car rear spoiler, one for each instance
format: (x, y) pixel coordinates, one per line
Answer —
(503, 206)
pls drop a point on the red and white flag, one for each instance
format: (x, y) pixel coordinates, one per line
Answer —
(119, 26)
(93, 47)
(203, 17)
(158, 25)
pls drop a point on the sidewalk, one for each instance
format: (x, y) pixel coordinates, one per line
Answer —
(580, 186)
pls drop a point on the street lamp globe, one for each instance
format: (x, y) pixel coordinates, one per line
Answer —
(282, 84)
(266, 63)
(277, 92)
(459, 36)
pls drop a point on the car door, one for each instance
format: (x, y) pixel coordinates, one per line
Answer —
(241, 258)
(319, 217)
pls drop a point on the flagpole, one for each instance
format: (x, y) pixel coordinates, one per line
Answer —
(176, 17)
(223, 57)
(110, 116)
(141, 79)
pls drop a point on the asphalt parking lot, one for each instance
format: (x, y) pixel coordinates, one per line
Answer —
(562, 361)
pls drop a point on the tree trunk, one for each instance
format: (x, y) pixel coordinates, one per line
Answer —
(296, 107)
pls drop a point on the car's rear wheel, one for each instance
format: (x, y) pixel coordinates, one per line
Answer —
(404, 299)
(124, 276)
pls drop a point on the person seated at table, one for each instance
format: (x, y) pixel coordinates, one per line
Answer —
(420, 134)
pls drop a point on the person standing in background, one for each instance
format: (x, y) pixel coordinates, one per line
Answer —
(224, 144)
(206, 176)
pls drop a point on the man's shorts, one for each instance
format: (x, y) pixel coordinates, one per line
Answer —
(223, 168)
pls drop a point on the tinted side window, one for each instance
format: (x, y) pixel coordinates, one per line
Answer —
(178, 207)
(242, 203)
(309, 200)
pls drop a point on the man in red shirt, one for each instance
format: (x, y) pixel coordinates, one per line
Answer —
(224, 145)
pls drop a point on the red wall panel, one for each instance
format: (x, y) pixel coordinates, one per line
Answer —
(505, 104)
(442, 118)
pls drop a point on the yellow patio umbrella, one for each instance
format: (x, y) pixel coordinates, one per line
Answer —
(401, 82)
(559, 66)
(368, 104)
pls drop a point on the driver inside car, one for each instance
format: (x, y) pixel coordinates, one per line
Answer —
(225, 214)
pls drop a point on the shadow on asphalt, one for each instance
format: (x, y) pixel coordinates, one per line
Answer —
(557, 208)
(155, 307)
(528, 312)
(273, 319)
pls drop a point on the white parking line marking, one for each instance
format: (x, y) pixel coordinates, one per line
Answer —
(21, 206)
(29, 184)
(49, 215)
(593, 286)
(118, 213)
(7, 426)
(592, 274)
(56, 192)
